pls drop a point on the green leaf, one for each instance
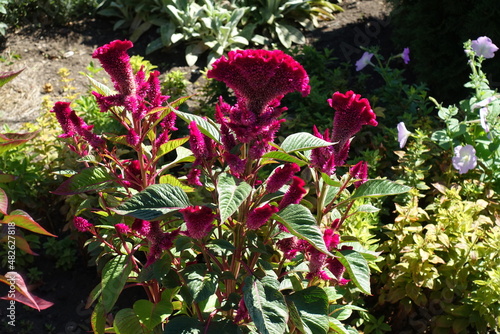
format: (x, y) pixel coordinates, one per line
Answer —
(151, 314)
(200, 282)
(10, 140)
(231, 194)
(5, 178)
(98, 319)
(153, 202)
(89, 179)
(127, 322)
(302, 141)
(23, 220)
(20, 243)
(206, 126)
(114, 277)
(170, 146)
(186, 325)
(379, 188)
(357, 267)
(300, 222)
(172, 180)
(277, 155)
(312, 305)
(157, 270)
(337, 326)
(266, 305)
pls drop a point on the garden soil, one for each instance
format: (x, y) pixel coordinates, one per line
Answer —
(43, 51)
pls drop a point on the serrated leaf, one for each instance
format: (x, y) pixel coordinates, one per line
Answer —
(24, 220)
(114, 277)
(312, 305)
(153, 202)
(302, 141)
(266, 305)
(357, 267)
(89, 179)
(300, 222)
(207, 127)
(231, 194)
(379, 188)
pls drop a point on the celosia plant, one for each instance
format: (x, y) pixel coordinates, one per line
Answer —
(240, 242)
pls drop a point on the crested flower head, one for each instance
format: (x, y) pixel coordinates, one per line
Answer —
(142, 227)
(259, 216)
(122, 228)
(81, 224)
(198, 220)
(260, 76)
(364, 61)
(359, 171)
(115, 60)
(351, 113)
(403, 134)
(484, 47)
(465, 158)
(281, 176)
(294, 194)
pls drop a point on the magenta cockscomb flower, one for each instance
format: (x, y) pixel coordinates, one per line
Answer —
(322, 158)
(122, 228)
(142, 227)
(351, 113)
(484, 47)
(116, 62)
(281, 176)
(260, 79)
(294, 194)
(259, 216)
(359, 171)
(364, 61)
(403, 134)
(198, 220)
(73, 125)
(260, 76)
(406, 55)
(81, 224)
(465, 158)
(201, 145)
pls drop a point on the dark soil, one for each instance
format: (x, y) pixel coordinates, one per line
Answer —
(42, 52)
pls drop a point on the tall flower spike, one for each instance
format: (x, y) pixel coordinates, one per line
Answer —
(359, 171)
(259, 216)
(294, 193)
(351, 113)
(281, 176)
(116, 62)
(198, 220)
(260, 76)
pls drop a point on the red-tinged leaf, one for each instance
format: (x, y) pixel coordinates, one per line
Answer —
(4, 178)
(6, 137)
(8, 76)
(4, 202)
(22, 294)
(21, 243)
(23, 220)
(33, 302)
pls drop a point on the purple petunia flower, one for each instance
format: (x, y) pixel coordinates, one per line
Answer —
(484, 47)
(364, 61)
(403, 134)
(198, 220)
(465, 158)
(406, 55)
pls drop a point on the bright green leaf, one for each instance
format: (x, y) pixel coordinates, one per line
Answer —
(302, 141)
(231, 194)
(89, 179)
(207, 127)
(151, 314)
(357, 267)
(114, 277)
(127, 322)
(312, 305)
(23, 220)
(379, 188)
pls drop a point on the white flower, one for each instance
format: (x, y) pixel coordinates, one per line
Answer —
(465, 158)
(483, 112)
(403, 134)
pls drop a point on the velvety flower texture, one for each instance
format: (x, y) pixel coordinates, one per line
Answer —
(294, 194)
(122, 228)
(351, 113)
(81, 224)
(198, 220)
(260, 79)
(359, 171)
(259, 216)
(281, 176)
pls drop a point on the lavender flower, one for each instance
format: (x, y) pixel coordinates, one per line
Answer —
(484, 47)
(403, 134)
(406, 55)
(364, 61)
(465, 158)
